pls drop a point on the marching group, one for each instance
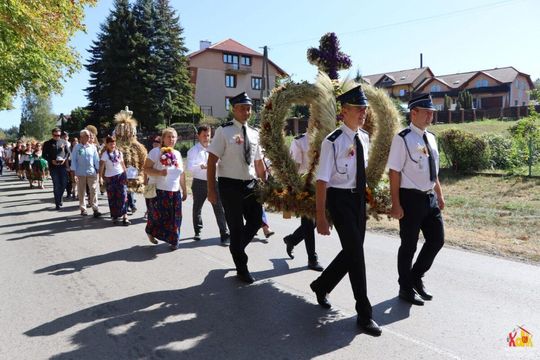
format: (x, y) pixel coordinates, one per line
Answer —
(226, 170)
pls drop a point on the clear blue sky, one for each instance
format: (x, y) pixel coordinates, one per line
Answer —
(380, 36)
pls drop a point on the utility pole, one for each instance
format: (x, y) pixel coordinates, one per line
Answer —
(265, 86)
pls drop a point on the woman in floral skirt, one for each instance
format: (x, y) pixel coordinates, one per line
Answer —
(166, 171)
(39, 165)
(112, 172)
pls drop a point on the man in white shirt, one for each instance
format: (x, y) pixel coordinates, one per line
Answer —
(341, 188)
(417, 199)
(197, 159)
(236, 146)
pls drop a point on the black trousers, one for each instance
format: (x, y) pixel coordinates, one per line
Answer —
(306, 232)
(239, 202)
(421, 212)
(199, 189)
(348, 212)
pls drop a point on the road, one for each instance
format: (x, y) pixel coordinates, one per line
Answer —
(81, 288)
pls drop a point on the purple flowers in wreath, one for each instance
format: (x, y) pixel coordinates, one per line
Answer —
(328, 56)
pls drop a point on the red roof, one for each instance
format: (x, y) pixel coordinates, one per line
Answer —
(233, 46)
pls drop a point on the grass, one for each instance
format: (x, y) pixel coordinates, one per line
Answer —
(497, 215)
(477, 127)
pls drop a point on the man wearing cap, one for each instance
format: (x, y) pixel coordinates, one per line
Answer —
(340, 189)
(417, 199)
(306, 231)
(236, 146)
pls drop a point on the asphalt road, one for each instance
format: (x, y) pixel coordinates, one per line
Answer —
(81, 288)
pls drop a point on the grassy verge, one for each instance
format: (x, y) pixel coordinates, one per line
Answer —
(497, 215)
(477, 127)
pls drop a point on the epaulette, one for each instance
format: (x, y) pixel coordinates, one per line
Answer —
(229, 123)
(298, 137)
(333, 136)
(404, 132)
(364, 131)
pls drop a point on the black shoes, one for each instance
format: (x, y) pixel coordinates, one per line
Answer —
(97, 214)
(418, 285)
(245, 277)
(411, 296)
(289, 247)
(321, 297)
(314, 265)
(370, 327)
(197, 236)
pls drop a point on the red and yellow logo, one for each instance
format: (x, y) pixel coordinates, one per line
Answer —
(519, 337)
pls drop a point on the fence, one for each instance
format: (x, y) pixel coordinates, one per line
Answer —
(459, 116)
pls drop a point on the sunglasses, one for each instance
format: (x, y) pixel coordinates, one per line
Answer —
(56, 134)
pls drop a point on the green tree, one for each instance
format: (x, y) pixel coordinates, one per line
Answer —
(37, 120)
(11, 134)
(77, 119)
(464, 100)
(35, 54)
(447, 102)
(535, 92)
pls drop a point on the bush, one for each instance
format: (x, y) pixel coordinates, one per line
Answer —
(526, 136)
(499, 151)
(464, 151)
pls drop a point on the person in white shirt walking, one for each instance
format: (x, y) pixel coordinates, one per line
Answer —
(197, 159)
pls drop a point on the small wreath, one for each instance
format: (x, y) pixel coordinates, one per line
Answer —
(287, 191)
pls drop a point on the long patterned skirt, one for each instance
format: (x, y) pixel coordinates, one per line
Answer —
(117, 194)
(39, 166)
(165, 216)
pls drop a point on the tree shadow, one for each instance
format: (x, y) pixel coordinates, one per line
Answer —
(134, 254)
(216, 319)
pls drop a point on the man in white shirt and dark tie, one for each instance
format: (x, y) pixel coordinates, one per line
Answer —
(197, 159)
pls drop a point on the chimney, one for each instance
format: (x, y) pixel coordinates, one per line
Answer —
(421, 61)
(204, 44)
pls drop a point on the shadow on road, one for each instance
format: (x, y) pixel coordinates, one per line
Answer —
(391, 311)
(134, 254)
(216, 319)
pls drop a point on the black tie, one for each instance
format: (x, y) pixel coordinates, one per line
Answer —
(432, 174)
(247, 148)
(360, 166)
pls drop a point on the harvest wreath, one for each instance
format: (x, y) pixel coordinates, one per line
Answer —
(287, 191)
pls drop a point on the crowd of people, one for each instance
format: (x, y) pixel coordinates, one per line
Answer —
(225, 171)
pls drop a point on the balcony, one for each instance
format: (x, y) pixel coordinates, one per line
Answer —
(238, 69)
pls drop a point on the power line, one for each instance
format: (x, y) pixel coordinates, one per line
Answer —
(399, 23)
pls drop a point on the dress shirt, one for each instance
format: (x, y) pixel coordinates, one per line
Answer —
(337, 163)
(228, 146)
(85, 160)
(196, 157)
(300, 153)
(408, 155)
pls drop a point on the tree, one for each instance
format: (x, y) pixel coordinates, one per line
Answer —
(77, 119)
(34, 51)
(328, 57)
(111, 66)
(464, 100)
(139, 60)
(10, 134)
(37, 120)
(447, 102)
(535, 92)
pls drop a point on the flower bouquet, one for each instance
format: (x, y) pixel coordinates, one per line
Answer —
(167, 157)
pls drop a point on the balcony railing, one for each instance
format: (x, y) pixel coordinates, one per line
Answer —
(237, 68)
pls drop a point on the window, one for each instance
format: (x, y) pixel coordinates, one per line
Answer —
(256, 83)
(515, 103)
(227, 104)
(436, 88)
(481, 83)
(246, 60)
(230, 58)
(230, 81)
(401, 92)
(523, 103)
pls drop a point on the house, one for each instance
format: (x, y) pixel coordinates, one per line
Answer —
(223, 70)
(400, 84)
(493, 88)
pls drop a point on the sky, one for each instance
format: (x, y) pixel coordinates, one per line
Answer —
(379, 36)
